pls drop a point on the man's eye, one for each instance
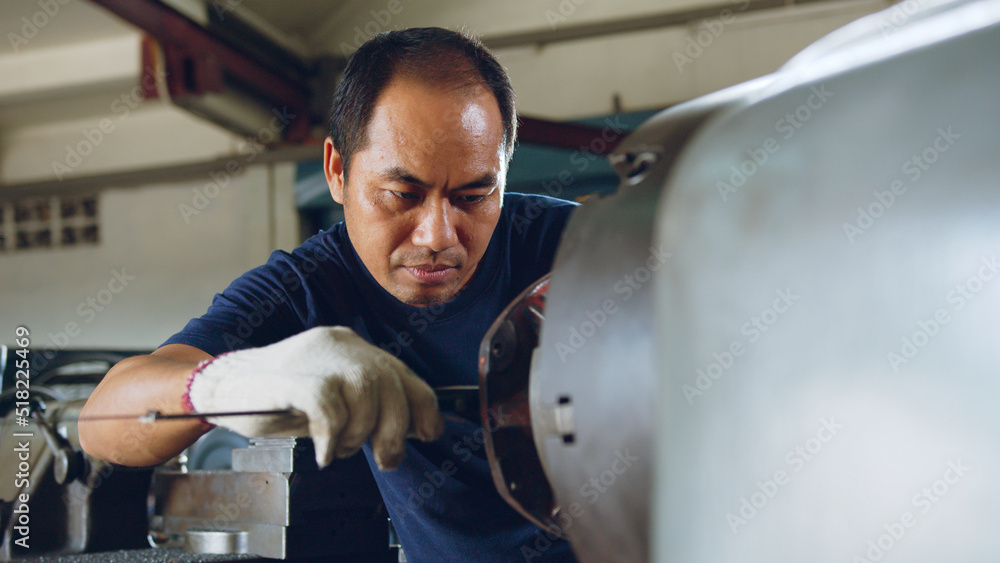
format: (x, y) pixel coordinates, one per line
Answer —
(471, 198)
(406, 195)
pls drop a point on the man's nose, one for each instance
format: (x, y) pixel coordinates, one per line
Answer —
(436, 229)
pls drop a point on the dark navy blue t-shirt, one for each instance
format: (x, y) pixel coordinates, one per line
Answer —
(442, 499)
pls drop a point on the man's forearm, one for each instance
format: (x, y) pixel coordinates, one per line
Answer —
(135, 386)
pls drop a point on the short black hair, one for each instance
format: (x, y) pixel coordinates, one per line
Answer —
(430, 54)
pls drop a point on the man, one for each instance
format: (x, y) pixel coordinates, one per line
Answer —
(431, 250)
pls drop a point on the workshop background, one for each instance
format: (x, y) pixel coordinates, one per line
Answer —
(152, 151)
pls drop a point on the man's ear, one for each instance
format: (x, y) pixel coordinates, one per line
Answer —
(333, 167)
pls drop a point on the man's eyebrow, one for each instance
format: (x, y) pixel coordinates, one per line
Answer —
(400, 174)
(485, 181)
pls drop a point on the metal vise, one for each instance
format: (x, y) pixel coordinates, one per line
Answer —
(275, 503)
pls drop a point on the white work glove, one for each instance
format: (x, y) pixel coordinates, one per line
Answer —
(342, 388)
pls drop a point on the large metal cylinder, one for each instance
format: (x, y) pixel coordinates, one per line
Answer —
(594, 375)
(781, 331)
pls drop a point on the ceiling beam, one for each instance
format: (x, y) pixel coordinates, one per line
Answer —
(146, 176)
(198, 61)
(559, 33)
(570, 136)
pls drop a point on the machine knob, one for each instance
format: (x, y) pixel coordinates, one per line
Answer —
(69, 465)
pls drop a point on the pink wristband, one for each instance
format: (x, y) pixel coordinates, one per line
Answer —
(186, 397)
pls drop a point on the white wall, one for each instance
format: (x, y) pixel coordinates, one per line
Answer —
(77, 75)
(177, 265)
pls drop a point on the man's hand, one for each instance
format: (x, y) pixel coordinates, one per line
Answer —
(345, 389)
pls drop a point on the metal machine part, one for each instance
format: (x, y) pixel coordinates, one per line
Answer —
(775, 275)
(276, 495)
(77, 503)
(504, 367)
(69, 462)
(59, 375)
(103, 508)
(458, 401)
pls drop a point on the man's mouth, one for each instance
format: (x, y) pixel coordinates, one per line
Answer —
(431, 274)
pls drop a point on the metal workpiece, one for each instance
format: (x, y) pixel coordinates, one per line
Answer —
(827, 326)
(215, 541)
(277, 497)
(272, 498)
(593, 382)
(275, 455)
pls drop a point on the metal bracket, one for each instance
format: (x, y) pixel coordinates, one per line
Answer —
(557, 420)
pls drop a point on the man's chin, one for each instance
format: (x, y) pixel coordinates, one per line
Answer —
(425, 298)
(419, 295)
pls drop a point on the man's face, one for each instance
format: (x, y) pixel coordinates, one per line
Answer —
(423, 197)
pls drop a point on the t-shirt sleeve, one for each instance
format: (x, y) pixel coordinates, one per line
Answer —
(263, 306)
